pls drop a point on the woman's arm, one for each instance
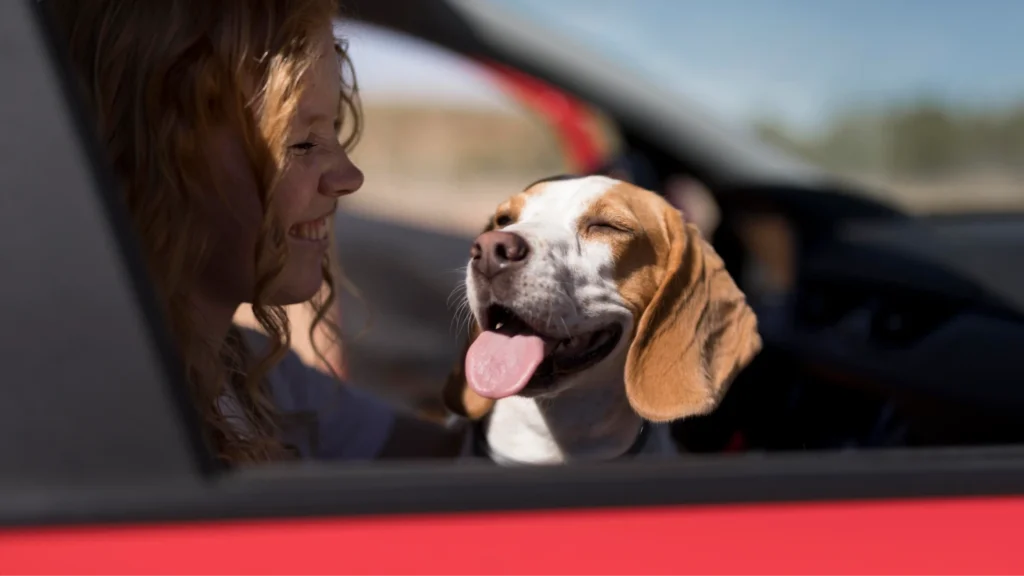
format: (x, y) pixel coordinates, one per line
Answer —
(352, 424)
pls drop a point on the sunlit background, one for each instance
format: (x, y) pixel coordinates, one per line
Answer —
(443, 142)
(922, 101)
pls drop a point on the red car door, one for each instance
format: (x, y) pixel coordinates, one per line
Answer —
(909, 535)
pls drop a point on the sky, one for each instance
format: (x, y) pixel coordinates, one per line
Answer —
(796, 60)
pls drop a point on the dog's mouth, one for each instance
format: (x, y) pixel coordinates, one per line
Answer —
(511, 357)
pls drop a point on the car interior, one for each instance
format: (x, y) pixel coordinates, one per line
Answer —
(881, 329)
(891, 334)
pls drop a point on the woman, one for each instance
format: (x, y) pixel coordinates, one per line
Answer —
(228, 125)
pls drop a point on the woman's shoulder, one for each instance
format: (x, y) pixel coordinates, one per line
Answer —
(289, 376)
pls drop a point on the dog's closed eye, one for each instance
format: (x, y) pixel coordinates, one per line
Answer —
(608, 226)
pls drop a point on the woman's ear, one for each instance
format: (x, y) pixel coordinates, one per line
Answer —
(693, 338)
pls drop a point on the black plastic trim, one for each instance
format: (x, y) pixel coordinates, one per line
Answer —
(377, 489)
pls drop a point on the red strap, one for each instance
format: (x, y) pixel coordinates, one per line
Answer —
(569, 116)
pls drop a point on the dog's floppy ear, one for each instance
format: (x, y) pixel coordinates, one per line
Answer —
(693, 338)
(458, 397)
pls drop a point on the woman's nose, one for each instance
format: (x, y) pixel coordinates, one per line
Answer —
(341, 178)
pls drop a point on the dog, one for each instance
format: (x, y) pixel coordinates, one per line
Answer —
(599, 316)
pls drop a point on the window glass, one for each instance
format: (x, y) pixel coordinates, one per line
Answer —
(921, 100)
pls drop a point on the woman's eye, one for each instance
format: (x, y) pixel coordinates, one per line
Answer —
(302, 147)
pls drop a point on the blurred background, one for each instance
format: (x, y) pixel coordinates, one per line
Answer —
(921, 103)
(924, 100)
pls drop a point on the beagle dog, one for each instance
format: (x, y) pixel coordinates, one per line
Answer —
(600, 315)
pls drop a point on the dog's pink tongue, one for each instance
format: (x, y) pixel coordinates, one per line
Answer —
(498, 365)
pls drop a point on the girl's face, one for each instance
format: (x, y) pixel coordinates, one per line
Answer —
(318, 172)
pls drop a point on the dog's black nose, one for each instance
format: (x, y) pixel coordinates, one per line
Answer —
(497, 251)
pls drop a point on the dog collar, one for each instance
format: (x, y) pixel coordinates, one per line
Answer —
(481, 449)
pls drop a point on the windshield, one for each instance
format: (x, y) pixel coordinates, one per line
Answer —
(922, 100)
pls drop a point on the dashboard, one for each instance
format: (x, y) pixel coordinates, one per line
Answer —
(879, 329)
(933, 306)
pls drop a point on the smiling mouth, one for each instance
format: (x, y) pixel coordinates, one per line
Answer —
(312, 230)
(562, 356)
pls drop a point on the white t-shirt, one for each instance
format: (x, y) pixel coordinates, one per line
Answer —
(346, 423)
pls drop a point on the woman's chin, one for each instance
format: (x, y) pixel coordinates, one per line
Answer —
(299, 287)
